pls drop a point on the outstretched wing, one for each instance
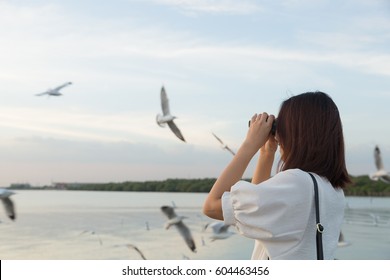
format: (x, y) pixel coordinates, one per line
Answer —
(168, 211)
(62, 86)
(131, 246)
(9, 207)
(176, 130)
(164, 102)
(43, 93)
(220, 141)
(385, 179)
(186, 234)
(219, 227)
(378, 159)
(230, 150)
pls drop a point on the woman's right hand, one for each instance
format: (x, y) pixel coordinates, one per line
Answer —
(259, 133)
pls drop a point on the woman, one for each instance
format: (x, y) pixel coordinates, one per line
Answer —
(279, 212)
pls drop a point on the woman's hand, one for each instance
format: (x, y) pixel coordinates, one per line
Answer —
(258, 135)
(270, 146)
(266, 158)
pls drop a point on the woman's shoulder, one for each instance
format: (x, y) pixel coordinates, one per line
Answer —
(285, 180)
(291, 176)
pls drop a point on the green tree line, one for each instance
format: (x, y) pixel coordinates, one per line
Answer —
(364, 186)
(169, 185)
(361, 186)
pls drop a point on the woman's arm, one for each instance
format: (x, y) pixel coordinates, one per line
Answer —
(265, 161)
(257, 136)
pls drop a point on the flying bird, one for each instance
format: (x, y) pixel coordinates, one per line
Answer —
(54, 91)
(381, 173)
(177, 221)
(220, 230)
(8, 203)
(167, 118)
(224, 146)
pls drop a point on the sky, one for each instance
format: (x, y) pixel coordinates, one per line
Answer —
(220, 62)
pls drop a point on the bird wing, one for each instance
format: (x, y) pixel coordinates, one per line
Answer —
(220, 141)
(186, 234)
(43, 93)
(378, 159)
(176, 130)
(218, 227)
(385, 178)
(9, 207)
(131, 246)
(164, 102)
(230, 150)
(62, 86)
(168, 211)
(341, 237)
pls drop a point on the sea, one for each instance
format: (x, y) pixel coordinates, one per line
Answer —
(97, 225)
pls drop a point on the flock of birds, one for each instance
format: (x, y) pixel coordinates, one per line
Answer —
(165, 119)
(219, 229)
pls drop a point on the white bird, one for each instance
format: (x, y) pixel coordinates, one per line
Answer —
(54, 91)
(220, 230)
(224, 146)
(167, 118)
(177, 221)
(8, 203)
(381, 173)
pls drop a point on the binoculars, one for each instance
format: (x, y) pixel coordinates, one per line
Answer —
(273, 128)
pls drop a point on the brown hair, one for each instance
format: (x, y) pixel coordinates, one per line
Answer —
(310, 133)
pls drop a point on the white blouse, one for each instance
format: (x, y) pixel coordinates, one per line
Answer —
(279, 214)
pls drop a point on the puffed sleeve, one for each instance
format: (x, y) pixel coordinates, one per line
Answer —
(276, 209)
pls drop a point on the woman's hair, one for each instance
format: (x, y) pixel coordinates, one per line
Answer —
(310, 133)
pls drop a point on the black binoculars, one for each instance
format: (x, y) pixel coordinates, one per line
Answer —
(273, 128)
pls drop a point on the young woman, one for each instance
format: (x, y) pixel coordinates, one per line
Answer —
(279, 212)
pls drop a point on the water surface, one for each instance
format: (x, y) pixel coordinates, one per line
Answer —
(99, 225)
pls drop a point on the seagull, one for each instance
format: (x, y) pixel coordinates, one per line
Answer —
(167, 118)
(8, 204)
(54, 91)
(381, 173)
(220, 230)
(224, 146)
(177, 221)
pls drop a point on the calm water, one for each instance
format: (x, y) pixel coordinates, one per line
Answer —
(99, 225)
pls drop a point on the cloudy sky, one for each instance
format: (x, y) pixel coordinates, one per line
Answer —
(220, 61)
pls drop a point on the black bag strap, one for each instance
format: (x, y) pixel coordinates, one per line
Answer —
(320, 228)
